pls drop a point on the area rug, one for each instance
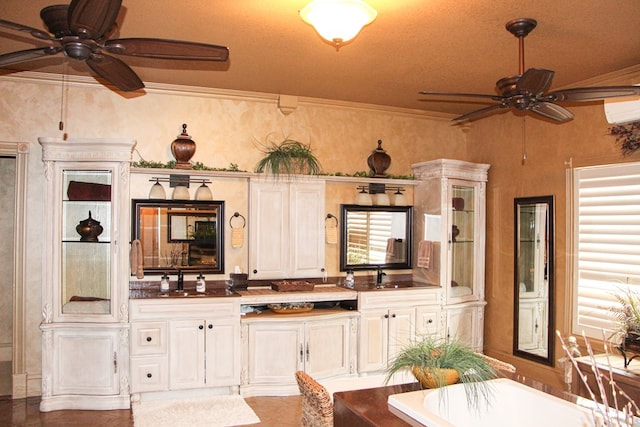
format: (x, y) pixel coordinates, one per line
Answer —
(214, 411)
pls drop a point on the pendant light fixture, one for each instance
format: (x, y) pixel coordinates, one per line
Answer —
(157, 191)
(338, 21)
(204, 192)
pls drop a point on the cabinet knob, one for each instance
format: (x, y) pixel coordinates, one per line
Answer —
(255, 271)
(200, 326)
(149, 375)
(430, 321)
(148, 339)
(210, 326)
(393, 315)
(386, 316)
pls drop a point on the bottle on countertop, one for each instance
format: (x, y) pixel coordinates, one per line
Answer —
(164, 283)
(349, 281)
(201, 285)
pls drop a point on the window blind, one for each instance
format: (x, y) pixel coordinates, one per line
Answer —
(367, 234)
(606, 243)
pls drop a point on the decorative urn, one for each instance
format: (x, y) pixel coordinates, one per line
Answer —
(183, 148)
(89, 229)
(379, 161)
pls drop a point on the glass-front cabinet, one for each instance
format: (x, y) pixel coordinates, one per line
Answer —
(85, 332)
(449, 236)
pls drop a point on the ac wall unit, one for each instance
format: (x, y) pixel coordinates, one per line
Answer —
(620, 112)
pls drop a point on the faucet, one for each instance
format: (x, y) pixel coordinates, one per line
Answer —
(180, 280)
(379, 277)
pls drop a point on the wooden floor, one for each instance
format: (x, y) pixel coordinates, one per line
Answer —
(272, 411)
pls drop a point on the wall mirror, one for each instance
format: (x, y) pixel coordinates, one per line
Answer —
(179, 235)
(534, 279)
(375, 236)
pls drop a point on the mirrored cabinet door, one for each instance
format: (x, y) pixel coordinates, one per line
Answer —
(86, 242)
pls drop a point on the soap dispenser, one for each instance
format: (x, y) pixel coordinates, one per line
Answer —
(349, 281)
(164, 283)
(201, 285)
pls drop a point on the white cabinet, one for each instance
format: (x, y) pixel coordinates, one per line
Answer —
(198, 347)
(85, 330)
(275, 347)
(286, 229)
(392, 319)
(199, 353)
(449, 231)
(383, 333)
(532, 335)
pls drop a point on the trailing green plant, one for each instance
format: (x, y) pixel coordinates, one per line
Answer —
(431, 355)
(288, 157)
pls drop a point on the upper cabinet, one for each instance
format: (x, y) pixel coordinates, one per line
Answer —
(286, 223)
(449, 204)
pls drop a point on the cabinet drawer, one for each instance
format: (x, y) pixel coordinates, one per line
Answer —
(427, 321)
(149, 374)
(148, 338)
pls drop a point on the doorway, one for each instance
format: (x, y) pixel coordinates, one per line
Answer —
(7, 254)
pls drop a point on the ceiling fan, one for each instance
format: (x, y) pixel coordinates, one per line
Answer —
(526, 91)
(79, 30)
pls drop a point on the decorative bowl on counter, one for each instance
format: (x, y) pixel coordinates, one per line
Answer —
(291, 308)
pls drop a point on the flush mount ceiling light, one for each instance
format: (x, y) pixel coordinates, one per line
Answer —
(338, 21)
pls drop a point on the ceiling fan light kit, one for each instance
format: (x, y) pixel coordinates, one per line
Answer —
(80, 31)
(526, 91)
(338, 21)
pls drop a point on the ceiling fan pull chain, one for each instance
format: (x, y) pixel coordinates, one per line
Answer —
(524, 140)
(62, 103)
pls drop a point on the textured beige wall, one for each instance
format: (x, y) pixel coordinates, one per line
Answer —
(227, 128)
(550, 148)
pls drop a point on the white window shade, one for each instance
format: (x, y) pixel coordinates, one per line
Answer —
(606, 242)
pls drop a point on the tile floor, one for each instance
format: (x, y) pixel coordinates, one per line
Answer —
(272, 411)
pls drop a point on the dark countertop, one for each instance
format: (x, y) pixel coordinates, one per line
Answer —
(188, 293)
(391, 286)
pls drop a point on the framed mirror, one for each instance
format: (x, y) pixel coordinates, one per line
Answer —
(375, 236)
(179, 235)
(533, 327)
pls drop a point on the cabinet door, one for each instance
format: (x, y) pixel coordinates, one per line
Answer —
(465, 324)
(401, 330)
(186, 354)
(276, 352)
(327, 347)
(531, 335)
(306, 216)
(269, 230)
(466, 243)
(428, 321)
(85, 362)
(222, 352)
(374, 340)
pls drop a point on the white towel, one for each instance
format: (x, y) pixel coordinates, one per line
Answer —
(237, 237)
(425, 250)
(331, 233)
(137, 260)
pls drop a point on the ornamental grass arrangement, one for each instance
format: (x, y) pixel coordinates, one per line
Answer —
(288, 157)
(437, 362)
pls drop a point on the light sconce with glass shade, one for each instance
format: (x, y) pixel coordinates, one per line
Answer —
(376, 194)
(180, 186)
(338, 21)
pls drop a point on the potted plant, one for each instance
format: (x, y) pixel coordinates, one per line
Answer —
(627, 313)
(438, 362)
(288, 157)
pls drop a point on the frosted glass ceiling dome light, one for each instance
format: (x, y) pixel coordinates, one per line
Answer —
(157, 191)
(338, 21)
(204, 192)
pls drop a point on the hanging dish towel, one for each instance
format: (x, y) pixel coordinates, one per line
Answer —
(237, 237)
(425, 249)
(136, 259)
(331, 230)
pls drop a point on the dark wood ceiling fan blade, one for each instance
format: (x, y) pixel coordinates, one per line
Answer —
(33, 31)
(462, 95)
(115, 72)
(552, 111)
(27, 55)
(477, 114)
(167, 49)
(586, 94)
(535, 81)
(93, 18)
